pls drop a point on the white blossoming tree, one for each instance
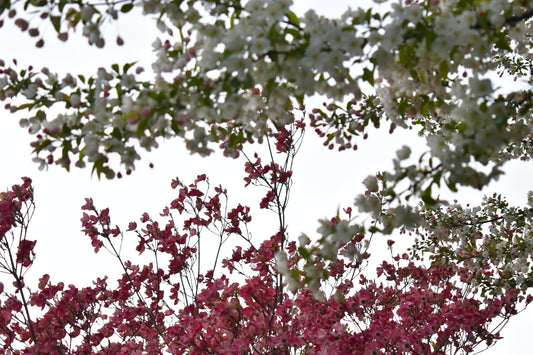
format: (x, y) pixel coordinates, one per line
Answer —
(229, 73)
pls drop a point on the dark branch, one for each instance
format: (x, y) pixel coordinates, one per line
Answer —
(514, 20)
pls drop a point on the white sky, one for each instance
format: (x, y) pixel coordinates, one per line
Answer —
(323, 180)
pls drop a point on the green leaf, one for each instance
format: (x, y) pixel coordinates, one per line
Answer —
(214, 134)
(28, 105)
(61, 5)
(295, 274)
(236, 139)
(444, 69)
(98, 166)
(270, 85)
(141, 127)
(126, 8)
(4, 5)
(127, 66)
(430, 38)
(115, 68)
(300, 99)
(293, 19)
(304, 253)
(273, 35)
(451, 186)
(116, 133)
(403, 106)
(248, 82)
(502, 42)
(232, 19)
(37, 3)
(118, 88)
(158, 96)
(407, 56)
(368, 15)
(425, 108)
(293, 32)
(175, 127)
(73, 16)
(226, 54)
(438, 177)
(461, 126)
(426, 197)
(374, 229)
(43, 144)
(67, 147)
(422, 76)
(368, 75)
(128, 115)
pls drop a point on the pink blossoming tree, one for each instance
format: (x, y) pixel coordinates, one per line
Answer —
(234, 73)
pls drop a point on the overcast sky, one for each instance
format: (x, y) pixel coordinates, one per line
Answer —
(324, 180)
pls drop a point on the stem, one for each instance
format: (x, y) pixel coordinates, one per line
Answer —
(141, 299)
(20, 288)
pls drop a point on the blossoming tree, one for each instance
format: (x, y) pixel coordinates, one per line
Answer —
(232, 73)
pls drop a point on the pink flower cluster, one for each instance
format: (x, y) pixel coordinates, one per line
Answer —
(197, 297)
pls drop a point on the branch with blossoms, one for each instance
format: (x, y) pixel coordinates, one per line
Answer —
(16, 256)
(64, 18)
(45, 317)
(406, 305)
(236, 301)
(202, 103)
(484, 250)
(178, 267)
(228, 89)
(491, 241)
(277, 178)
(226, 79)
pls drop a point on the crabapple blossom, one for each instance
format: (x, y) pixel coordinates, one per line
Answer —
(218, 63)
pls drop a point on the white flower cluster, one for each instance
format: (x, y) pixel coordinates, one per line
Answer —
(229, 73)
(334, 234)
(493, 242)
(439, 78)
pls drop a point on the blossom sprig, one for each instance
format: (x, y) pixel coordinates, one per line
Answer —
(65, 18)
(323, 264)
(79, 133)
(17, 253)
(229, 103)
(48, 317)
(236, 77)
(413, 82)
(397, 296)
(171, 305)
(491, 242)
(227, 88)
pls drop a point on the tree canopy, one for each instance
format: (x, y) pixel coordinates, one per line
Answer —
(230, 75)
